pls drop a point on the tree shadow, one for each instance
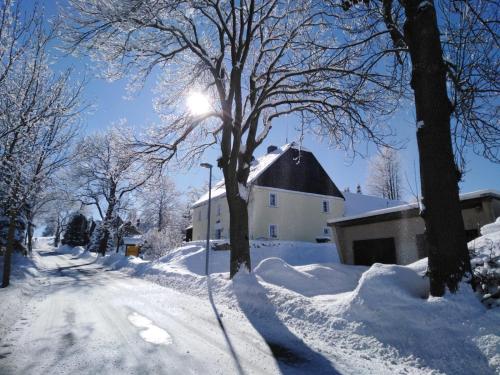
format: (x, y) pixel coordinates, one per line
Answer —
(293, 356)
(223, 328)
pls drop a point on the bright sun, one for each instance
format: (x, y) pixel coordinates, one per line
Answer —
(197, 103)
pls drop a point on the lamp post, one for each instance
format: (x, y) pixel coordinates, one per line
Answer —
(209, 166)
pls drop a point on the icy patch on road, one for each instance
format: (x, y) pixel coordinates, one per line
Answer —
(150, 333)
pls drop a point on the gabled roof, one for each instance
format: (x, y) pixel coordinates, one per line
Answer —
(257, 168)
(299, 171)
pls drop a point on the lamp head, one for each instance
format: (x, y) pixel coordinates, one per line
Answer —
(206, 165)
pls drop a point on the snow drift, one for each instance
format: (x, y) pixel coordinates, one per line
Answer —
(379, 318)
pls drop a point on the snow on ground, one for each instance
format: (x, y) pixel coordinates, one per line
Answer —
(19, 292)
(309, 309)
(365, 320)
(485, 261)
(25, 279)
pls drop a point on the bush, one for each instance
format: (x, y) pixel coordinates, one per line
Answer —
(485, 262)
(76, 233)
(96, 237)
(158, 244)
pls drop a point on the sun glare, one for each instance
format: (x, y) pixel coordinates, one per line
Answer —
(198, 103)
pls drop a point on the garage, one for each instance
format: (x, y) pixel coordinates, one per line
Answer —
(380, 250)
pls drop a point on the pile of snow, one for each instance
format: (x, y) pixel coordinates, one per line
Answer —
(192, 257)
(119, 261)
(381, 318)
(310, 280)
(76, 252)
(485, 262)
(491, 228)
(383, 280)
(391, 306)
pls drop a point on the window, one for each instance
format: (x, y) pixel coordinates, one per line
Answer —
(326, 206)
(199, 214)
(326, 231)
(218, 210)
(218, 234)
(273, 231)
(273, 200)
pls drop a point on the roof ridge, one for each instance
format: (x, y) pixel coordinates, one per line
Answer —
(220, 185)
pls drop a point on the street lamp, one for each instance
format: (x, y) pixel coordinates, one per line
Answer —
(209, 166)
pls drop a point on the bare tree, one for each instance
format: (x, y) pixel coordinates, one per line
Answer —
(106, 172)
(56, 204)
(38, 111)
(384, 178)
(159, 204)
(161, 218)
(453, 56)
(252, 62)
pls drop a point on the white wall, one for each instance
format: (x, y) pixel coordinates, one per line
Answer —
(298, 216)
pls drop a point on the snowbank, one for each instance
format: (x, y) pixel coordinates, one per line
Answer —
(491, 228)
(391, 307)
(485, 262)
(379, 318)
(192, 256)
(77, 251)
(310, 280)
(23, 284)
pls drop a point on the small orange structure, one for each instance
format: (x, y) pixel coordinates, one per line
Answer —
(131, 246)
(132, 250)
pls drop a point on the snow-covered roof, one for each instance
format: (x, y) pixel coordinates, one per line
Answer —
(257, 167)
(356, 204)
(132, 240)
(408, 206)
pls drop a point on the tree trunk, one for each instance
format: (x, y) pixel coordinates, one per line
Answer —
(103, 242)
(8, 251)
(238, 228)
(118, 240)
(160, 216)
(30, 237)
(57, 234)
(444, 228)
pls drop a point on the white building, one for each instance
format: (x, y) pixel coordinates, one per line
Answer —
(291, 197)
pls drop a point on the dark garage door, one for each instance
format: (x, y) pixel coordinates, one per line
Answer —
(380, 250)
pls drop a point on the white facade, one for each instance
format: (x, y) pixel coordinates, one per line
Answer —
(290, 213)
(273, 214)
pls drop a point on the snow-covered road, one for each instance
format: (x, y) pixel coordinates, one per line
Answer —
(88, 320)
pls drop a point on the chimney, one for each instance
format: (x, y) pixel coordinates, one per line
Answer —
(271, 149)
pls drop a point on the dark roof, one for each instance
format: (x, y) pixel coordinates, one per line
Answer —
(261, 165)
(298, 170)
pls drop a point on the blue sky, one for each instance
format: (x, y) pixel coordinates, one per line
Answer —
(111, 106)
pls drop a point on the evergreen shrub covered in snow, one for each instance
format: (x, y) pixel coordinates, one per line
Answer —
(485, 262)
(19, 234)
(96, 238)
(76, 233)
